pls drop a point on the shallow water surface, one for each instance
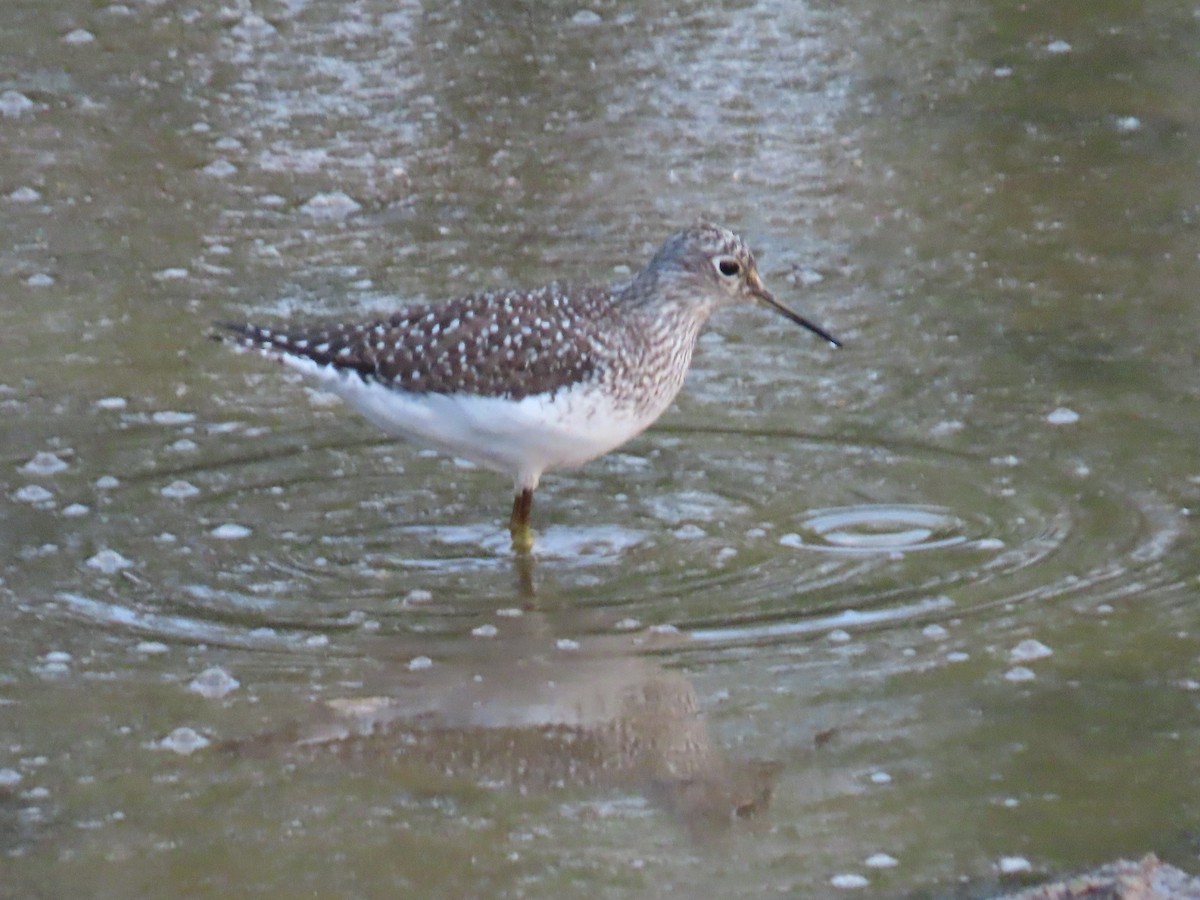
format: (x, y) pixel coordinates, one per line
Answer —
(861, 620)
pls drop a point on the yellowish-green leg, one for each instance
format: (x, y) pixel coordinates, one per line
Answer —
(518, 525)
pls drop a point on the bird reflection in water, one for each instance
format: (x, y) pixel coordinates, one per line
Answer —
(523, 719)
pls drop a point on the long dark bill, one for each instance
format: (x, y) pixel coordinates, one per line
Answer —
(768, 298)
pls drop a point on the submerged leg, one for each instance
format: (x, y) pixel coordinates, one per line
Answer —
(518, 525)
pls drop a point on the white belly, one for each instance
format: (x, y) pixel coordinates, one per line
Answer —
(520, 438)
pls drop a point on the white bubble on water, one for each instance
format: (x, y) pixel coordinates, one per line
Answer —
(25, 195)
(323, 399)
(13, 104)
(1013, 865)
(184, 740)
(253, 27)
(417, 663)
(849, 881)
(78, 36)
(485, 631)
(566, 644)
(9, 777)
(330, 207)
(231, 531)
(109, 562)
(806, 276)
(1029, 650)
(180, 490)
(948, 426)
(44, 463)
(880, 861)
(32, 493)
(172, 417)
(1062, 416)
(1018, 674)
(214, 683)
(220, 168)
(107, 483)
(53, 664)
(111, 403)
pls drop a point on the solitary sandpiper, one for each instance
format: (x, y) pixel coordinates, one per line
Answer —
(527, 381)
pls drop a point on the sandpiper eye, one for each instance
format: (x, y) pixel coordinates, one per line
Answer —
(729, 267)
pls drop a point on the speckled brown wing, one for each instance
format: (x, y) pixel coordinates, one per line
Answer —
(510, 344)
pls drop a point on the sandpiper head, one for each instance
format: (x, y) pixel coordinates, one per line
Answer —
(723, 263)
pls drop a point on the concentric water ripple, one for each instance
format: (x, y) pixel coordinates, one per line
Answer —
(882, 528)
(264, 540)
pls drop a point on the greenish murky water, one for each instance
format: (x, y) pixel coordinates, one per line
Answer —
(883, 616)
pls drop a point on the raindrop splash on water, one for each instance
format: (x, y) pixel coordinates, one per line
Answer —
(879, 529)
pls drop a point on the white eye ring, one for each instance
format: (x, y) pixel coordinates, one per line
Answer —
(727, 266)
